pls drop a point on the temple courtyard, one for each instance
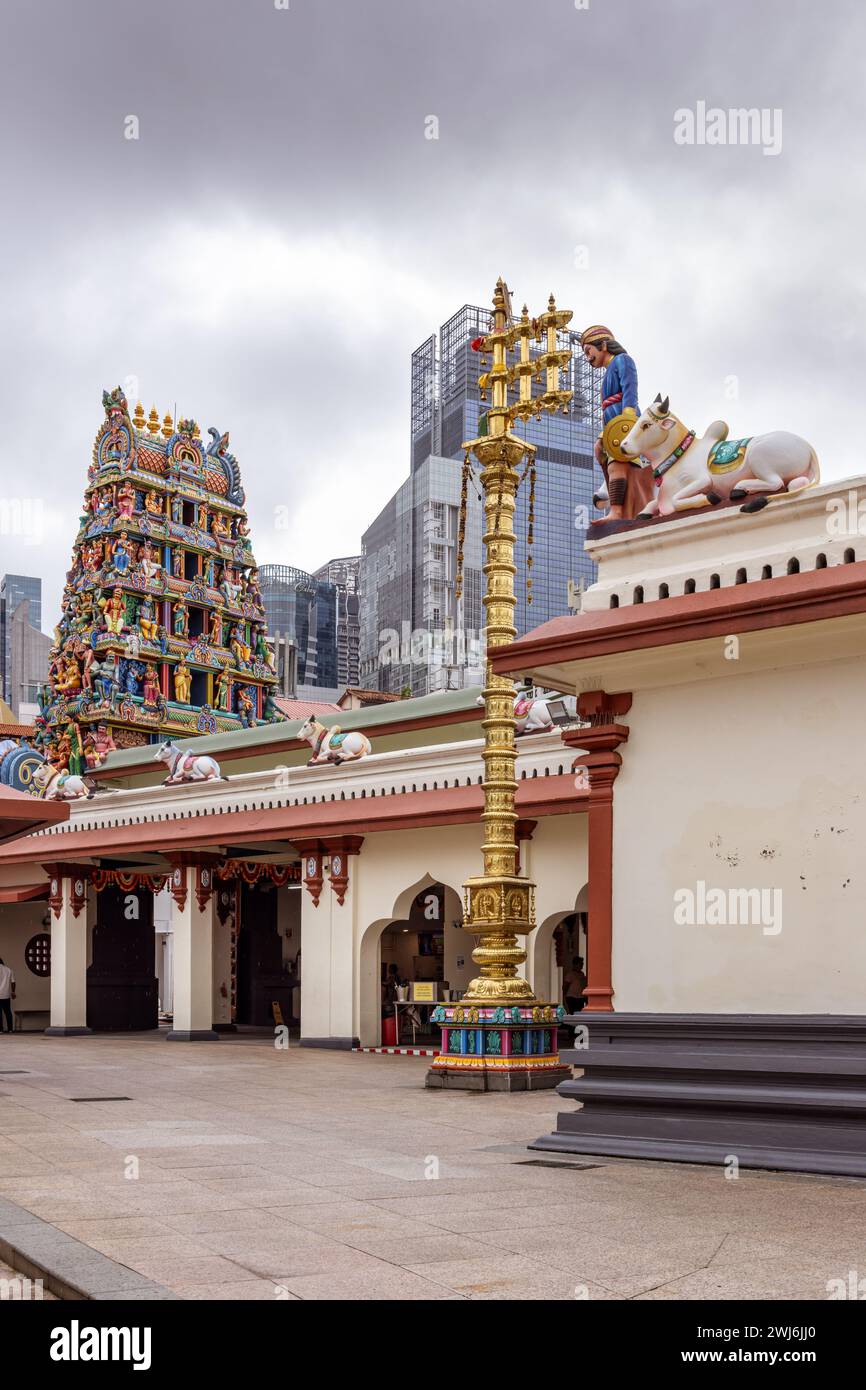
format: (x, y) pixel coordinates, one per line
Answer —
(138, 1169)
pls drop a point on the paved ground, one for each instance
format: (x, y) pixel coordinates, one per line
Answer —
(18, 1288)
(237, 1171)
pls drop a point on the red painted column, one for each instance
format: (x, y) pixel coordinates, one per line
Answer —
(602, 762)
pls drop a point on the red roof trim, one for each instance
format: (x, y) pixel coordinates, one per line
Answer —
(766, 603)
(29, 893)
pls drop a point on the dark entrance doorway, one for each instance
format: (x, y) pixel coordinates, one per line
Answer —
(262, 978)
(121, 980)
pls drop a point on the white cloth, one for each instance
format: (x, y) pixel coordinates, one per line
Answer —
(7, 980)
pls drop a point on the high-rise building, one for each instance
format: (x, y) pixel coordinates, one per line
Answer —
(344, 574)
(29, 661)
(14, 590)
(416, 635)
(447, 409)
(408, 568)
(303, 609)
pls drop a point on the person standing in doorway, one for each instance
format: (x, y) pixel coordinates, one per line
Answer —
(7, 994)
(574, 985)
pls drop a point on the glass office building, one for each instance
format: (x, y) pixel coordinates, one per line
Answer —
(408, 569)
(344, 574)
(14, 589)
(303, 609)
(416, 635)
(447, 410)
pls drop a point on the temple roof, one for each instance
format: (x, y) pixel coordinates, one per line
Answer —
(21, 813)
(443, 707)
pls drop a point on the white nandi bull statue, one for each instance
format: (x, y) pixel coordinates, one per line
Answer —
(53, 785)
(532, 716)
(332, 745)
(692, 471)
(187, 767)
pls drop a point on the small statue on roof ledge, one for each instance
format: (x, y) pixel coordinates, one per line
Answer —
(332, 745)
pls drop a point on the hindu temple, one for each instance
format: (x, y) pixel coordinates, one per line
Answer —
(162, 631)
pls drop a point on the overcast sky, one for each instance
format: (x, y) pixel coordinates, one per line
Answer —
(282, 234)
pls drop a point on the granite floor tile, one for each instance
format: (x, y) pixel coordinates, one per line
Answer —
(303, 1175)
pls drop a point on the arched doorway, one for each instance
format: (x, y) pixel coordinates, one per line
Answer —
(422, 943)
(555, 943)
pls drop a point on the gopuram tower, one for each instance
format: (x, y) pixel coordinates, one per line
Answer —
(162, 631)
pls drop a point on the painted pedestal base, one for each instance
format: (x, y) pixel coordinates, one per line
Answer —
(496, 1048)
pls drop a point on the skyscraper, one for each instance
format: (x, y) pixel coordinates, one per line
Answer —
(408, 569)
(344, 574)
(14, 589)
(416, 635)
(447, 409)
(302, 608)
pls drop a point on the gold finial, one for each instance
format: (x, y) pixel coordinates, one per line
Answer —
(167, 427)
(196, 434)
(138, 417)
(153, 421)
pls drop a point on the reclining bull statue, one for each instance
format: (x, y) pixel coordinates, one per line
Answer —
(691, 471)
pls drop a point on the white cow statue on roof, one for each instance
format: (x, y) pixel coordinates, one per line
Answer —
(692, 471)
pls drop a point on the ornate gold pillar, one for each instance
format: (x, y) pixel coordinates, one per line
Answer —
(500, 1036)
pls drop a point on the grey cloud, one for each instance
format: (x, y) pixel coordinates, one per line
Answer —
(282, 235)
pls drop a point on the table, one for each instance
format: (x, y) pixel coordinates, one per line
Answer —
(409, 1004)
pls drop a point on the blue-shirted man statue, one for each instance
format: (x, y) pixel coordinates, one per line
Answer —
(629, 486)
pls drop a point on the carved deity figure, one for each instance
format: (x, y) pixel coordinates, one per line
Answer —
(180, 623)
(125, 500)
(229, 587)
(182, 683)
(153, 502)
(223, 689)
(149, 562)
(100, 745)
(151, 684)
(147, 623)
(263, 651)
(246, 707)
(114, 610)
(239, 648)
(121, 558)
(70, 681)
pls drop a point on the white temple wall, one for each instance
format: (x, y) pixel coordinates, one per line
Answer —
(751, 782)
(19, 922)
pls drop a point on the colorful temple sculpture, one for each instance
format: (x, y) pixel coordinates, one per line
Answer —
(163, 631)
